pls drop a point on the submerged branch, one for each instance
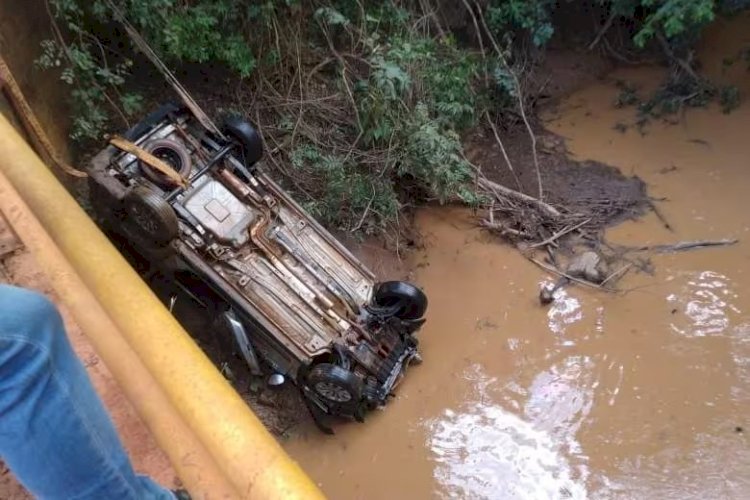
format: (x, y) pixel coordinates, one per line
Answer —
(683, 246)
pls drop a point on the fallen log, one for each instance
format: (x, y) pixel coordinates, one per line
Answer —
(502, 191)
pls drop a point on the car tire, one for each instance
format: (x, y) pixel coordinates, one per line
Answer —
(408, 301)
(154, 217)
(173, 154)
(247, 136)
(337, 386)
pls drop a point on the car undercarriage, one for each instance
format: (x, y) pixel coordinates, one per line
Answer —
(292, 298)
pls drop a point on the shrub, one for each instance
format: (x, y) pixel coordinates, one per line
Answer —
(362, 100)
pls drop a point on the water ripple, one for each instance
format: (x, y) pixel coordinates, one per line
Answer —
(707, 303)
(485, 451)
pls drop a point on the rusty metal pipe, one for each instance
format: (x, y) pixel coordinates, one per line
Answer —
(199, 473)
(239, 444)
(258, 237)
(271, 186)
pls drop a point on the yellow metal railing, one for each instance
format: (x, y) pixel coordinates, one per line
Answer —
(217, 445)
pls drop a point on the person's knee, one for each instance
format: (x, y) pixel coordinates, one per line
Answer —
(28, 314)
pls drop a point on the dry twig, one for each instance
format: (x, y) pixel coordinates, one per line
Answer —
(519, 97)
(502, 149)
(502, 191)
(503, 229)
(617, 274)
(560, 234)
(603, 30)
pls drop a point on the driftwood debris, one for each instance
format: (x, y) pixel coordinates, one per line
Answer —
(684, 246)
(660, 216)
(504, 192)
(585, 270)
(568, 228)
(617, 274)
(560, 234)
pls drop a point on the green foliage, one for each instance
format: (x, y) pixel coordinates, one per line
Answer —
(673, 18)
(399, 94)
(95, 83)
(198, 34)
(676, 25)
(197, 31)
(347, 194)
(418, 93)
(200, 31)
(531, 17)
(729, 98)
(449, 84)
(673, 96)
(331, 17)
(433, 156)
(131, 103)
(413, 70)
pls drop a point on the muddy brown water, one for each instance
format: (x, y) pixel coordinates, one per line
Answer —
(641, 395)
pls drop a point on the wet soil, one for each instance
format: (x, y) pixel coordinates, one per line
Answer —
(589, 188)
(581, 189)
(642, 394)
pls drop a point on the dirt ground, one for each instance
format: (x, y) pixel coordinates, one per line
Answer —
(582, 190)
(18, 267)
(579, 186)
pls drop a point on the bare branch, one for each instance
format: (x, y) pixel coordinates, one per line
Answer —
(521, 106)
(501, 191)
(605, 28)
(560, 234)
(502, 148)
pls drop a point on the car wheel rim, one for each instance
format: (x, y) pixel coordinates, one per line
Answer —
(333, 392)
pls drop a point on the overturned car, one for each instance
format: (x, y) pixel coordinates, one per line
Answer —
(289, 294)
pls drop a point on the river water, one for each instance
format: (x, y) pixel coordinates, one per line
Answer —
(640, 395)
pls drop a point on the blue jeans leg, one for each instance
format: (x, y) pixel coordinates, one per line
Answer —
(55, 434)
